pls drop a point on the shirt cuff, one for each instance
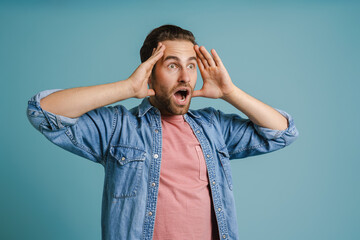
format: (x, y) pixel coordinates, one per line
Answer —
(269, 134)
(55, 121)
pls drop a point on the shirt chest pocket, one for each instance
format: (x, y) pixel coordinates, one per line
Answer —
(125, 171)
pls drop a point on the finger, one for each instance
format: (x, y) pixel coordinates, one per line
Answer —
(156, 55)
(157, 48)
(207, 56)
(159, 45)
(154, 49)
(201, 56)
(216, 58)
(200, 64)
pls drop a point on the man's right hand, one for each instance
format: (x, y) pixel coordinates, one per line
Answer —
(74, 102)
(140, 77)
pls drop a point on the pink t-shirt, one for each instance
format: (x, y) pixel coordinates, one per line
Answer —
(184, 208)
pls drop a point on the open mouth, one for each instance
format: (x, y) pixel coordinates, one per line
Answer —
(181, 95)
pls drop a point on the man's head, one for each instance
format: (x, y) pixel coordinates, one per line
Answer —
(174, 76)
(163, 33)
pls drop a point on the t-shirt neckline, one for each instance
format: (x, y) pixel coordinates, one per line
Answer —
(173, 118)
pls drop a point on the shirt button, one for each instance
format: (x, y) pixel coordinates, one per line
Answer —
(156, 131)
(150, 213)
(156, 156)
(123, 158)
(207, 155)
(197, 131)
(153, 184)
(213, 182)
(224, 236)
(219, 209)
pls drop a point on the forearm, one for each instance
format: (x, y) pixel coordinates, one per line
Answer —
(257, 111)
(75, 102)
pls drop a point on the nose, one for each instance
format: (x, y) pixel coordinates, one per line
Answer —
(184, 76)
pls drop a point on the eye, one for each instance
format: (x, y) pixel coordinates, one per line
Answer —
(172, 66)
(191, 66)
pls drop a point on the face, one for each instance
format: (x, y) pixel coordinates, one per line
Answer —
(174, 78)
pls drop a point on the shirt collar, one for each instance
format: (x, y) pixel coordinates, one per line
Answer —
(145, 106)
(193, 113)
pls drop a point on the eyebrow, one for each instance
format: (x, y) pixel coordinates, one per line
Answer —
(178, 59)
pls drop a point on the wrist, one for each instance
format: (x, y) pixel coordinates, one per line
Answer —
(230, 94)
(125, 88)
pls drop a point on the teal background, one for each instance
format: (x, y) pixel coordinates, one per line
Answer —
(299, 56)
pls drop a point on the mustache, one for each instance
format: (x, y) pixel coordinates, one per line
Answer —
(186, 85)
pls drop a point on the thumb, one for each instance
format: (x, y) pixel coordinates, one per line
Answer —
(198, 93)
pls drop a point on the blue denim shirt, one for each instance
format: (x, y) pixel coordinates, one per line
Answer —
(128, 144)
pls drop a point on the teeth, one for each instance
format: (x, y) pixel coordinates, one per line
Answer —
(183, 95)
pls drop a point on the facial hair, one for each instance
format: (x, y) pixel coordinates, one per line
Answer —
(166, 104)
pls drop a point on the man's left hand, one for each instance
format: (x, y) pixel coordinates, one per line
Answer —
(216, 80)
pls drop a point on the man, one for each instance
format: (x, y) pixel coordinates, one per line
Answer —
(167, 170)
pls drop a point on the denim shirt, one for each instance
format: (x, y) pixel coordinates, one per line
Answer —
(128, 144)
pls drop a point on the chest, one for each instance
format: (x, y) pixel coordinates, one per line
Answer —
(182, 157)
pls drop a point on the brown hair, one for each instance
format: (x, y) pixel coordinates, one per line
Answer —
(163, 33)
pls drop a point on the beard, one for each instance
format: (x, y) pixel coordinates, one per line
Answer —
(165, 102)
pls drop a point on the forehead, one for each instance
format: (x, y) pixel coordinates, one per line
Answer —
(179, 48)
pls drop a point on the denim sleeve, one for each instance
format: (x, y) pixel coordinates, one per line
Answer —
(243, 138)
(87, 136)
